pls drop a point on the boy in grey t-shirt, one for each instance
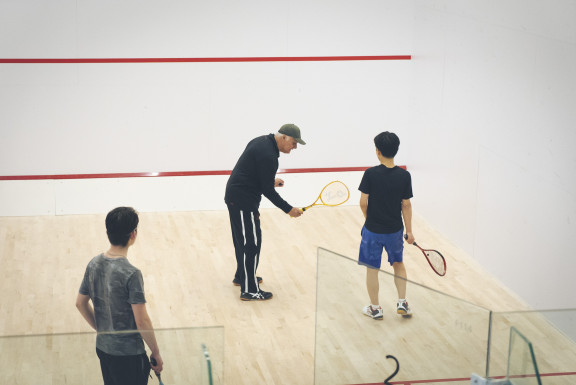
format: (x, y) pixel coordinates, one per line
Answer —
(116, 289)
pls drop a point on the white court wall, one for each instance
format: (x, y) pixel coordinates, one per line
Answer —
(153, 194)
(485, 111)
(146, 117)
(492, 157)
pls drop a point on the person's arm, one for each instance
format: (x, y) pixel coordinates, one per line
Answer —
(364, 203)
(144, 325)
(87, 311)
(407, 216)
(294, 212)
(267, 168)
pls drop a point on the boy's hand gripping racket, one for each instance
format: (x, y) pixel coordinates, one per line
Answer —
(153, 361)
(333, 194)
(434, 258)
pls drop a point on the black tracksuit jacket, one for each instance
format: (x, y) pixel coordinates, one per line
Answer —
(253, 176)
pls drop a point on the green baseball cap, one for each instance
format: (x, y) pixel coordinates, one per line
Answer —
(293, 131)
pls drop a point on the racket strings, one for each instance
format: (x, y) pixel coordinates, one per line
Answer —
(436, 261)
(335, 194)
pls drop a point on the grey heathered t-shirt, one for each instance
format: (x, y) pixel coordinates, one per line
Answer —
(113, 285)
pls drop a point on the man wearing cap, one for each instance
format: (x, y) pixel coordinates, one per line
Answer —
(254, 175)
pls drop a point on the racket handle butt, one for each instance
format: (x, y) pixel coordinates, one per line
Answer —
(406, 238)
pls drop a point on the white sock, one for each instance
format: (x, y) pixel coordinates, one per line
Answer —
(401, 300)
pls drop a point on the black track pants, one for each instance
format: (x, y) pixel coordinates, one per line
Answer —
(247, 238)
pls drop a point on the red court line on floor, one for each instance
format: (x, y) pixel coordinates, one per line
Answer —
(205, 59)
(440, 380)
(175, 173)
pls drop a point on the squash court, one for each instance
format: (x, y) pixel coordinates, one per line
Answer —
(150, 104)
(315, 316)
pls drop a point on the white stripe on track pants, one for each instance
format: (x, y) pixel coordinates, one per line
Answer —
(247, 238)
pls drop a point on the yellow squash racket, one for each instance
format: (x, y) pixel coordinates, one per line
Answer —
(333, 194)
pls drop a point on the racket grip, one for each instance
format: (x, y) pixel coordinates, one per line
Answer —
(304, 208)
(406, 237)
(153, 361)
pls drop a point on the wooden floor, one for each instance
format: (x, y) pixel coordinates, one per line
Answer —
(187, 260)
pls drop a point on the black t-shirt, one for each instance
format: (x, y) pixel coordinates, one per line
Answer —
(386, 187)
(254, 175)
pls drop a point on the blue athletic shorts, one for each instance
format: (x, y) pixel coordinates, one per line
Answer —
(372, 245)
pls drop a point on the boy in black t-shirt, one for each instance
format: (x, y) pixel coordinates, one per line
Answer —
(385, 201)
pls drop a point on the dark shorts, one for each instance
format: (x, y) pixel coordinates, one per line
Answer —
(124, 370)
(373, 244)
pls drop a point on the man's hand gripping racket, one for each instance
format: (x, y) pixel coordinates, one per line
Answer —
(154, 364)
(333, 194)
(434, 258)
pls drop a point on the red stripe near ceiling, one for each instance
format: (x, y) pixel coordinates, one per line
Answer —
(206, 59)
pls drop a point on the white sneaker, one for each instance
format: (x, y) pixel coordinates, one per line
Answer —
(374, 312)
(403, 309)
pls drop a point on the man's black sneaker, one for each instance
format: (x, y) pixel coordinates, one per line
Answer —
(236, 281)
(260, 296)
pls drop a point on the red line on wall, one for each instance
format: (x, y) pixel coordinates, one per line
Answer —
(307, 170)
(114, 175)
(173, 173)
(206, 59)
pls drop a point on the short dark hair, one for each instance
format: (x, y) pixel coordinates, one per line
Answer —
(387, 143)
(120, 223)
